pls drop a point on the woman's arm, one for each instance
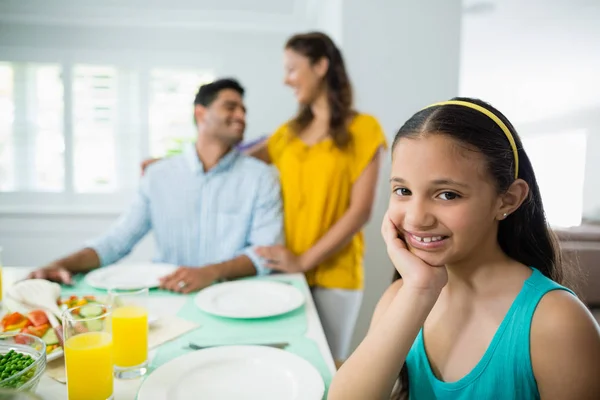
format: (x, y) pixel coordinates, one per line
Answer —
(260, 151)
(565, 349)
(373, 368)
(353, 220)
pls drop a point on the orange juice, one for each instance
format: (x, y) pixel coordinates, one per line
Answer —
(89, 363)
(130, 335)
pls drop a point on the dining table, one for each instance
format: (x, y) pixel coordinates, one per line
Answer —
(163, 305)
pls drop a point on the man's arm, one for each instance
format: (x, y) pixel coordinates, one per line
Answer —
(190, 279)
(108, 249)
(267, 221)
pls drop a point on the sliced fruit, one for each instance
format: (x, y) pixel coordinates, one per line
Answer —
(15, 327)
(91, 310)
(38, 331)
(50, 338)
(37, 317)
(12, 319)
(51, 348)
(94, 325)
(22, 339)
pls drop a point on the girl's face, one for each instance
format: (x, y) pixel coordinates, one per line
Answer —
(303, 77)
(442, 199)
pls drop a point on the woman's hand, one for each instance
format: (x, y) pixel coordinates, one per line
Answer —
(280, 258)
(415, 272)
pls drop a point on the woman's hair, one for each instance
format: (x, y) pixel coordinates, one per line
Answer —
(524, 235)
(316, 46)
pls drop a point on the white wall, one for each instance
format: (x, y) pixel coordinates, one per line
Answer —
(401, 56)
(544, 79)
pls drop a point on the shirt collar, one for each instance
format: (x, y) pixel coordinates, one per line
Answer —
(191, 157)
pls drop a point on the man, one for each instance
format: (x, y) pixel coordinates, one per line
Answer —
(208, 207)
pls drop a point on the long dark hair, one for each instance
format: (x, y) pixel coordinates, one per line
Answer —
(524, 235)
(316, 46)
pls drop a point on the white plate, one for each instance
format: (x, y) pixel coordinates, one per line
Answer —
(58, 353)
(249, 299)
(129, 276)
(235, 373)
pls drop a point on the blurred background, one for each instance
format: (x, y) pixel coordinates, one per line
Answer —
(89, 89)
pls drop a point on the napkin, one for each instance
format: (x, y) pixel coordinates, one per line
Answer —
(165, 329)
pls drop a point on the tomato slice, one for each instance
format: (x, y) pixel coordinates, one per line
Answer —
(24, 323)
(20, 339)
(12, 319)
(38, 331)
(37, 317)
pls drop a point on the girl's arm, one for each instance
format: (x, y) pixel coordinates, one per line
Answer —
(373, 368)
(353, 220)
(565, 349)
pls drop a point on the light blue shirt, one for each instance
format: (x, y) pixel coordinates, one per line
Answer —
(200, 218)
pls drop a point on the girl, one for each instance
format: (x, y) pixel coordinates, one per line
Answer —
(480, 312)
(328, 160)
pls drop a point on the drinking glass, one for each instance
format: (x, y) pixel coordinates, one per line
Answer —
(88, 345)
(130, 331)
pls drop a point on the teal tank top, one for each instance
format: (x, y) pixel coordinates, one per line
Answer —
(504, 372)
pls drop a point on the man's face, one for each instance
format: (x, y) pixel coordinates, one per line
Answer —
(225, 118)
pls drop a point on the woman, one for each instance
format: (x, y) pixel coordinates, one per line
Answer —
(328, 159)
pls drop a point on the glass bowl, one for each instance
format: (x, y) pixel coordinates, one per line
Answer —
(28, 378)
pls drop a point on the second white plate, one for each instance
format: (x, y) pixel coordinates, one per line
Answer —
(249, 299)
(129, 276)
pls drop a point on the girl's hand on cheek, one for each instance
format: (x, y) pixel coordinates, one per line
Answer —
(416, 273)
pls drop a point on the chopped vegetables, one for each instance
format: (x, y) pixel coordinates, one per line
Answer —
(36, 322)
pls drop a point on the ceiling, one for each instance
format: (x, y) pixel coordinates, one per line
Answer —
(190, 14)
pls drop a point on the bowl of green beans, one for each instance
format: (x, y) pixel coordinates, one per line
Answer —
(22, 361)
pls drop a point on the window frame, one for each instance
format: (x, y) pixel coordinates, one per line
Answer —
(129, 147)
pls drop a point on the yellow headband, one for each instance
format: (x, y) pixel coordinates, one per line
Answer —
(494, 118)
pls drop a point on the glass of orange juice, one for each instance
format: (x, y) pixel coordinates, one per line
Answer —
(88, 349)
(130, 331)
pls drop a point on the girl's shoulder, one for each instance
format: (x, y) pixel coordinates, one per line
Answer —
(565, 347)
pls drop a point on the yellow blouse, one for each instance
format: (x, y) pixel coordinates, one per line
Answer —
(316, 183)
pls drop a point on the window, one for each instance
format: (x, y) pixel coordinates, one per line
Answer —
(47, 114)
(94, 128)
(31, 129)
(7, 111)
(559, 164)
(172, 95)
(74, 134)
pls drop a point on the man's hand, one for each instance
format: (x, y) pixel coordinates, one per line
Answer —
(146, 163)
(189, 279)
(53, 272)
(279, 258)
